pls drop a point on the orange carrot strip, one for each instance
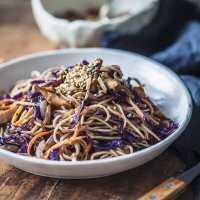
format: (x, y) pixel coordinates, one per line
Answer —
(77, 130)
(88, 148)
(56, 146)
(28, 114)
(59, 144)
(17, 113)
(33, 140)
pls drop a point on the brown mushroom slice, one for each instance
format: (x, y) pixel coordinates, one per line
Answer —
(140, 91)
(115, 86)
(97, 64)
(54, 83)
(6, 115)
(54, 99)
(51, 89)
(112, 84)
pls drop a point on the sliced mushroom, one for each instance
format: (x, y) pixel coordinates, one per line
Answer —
(112, 84)
(140, 91)
(6, 115)
(165, 123)
(115, 86)
(54, 83)
(97, 65)
(51, 89)
(159, 114)
(54, 99)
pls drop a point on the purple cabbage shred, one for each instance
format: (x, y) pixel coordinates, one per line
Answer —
(37, 114)
(76, 117)
(162, 132)
(127, 136)
(17, 96)
(4, 95)
(34, 94)
(85, 62)
(5, 142)
(100, 112)
(129, 83)
(23, 149)
(111, 74)
(54, 155)
(7, 96)
(108, 145)
(115, 118)
(55, 72)
(16, 137)
(20, 128)
(37, 81)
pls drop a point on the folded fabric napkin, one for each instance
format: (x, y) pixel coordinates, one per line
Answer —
(172, 38)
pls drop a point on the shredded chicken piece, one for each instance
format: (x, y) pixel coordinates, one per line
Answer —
(6, 115)
(112, 84)
(140, 91)
(54, 99)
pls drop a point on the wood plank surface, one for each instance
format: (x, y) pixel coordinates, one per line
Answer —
(19, 35)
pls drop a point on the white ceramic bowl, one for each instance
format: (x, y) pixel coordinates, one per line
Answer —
(80, 33)
(162, 85)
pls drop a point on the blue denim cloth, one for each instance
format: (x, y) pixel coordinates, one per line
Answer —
(173, 39)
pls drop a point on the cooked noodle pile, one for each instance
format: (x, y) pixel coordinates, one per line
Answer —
(83, 112)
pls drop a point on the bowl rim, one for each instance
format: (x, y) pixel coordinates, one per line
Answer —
(116, 20)
(150, 149)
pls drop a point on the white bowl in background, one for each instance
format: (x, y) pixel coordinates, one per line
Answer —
(82, 33)
(162, 85)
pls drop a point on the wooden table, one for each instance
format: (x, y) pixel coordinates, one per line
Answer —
(19, 35)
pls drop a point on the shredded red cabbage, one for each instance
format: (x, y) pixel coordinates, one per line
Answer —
(115, 118)
(55, 72)
(100, 112)
(108, 145)
(4, 95)
(76, 117)
(7, 96)
(111, 74)
(20, 128)
(117, 94)
(54, 155)
(16, 137)
(85, 62)
(34, 94)
(162, 132)
(18, 96)
(38, 81)
(4, 142)
(129, 83)
(127, 136)
(37, 114)
(23, 149)
(137, 98)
